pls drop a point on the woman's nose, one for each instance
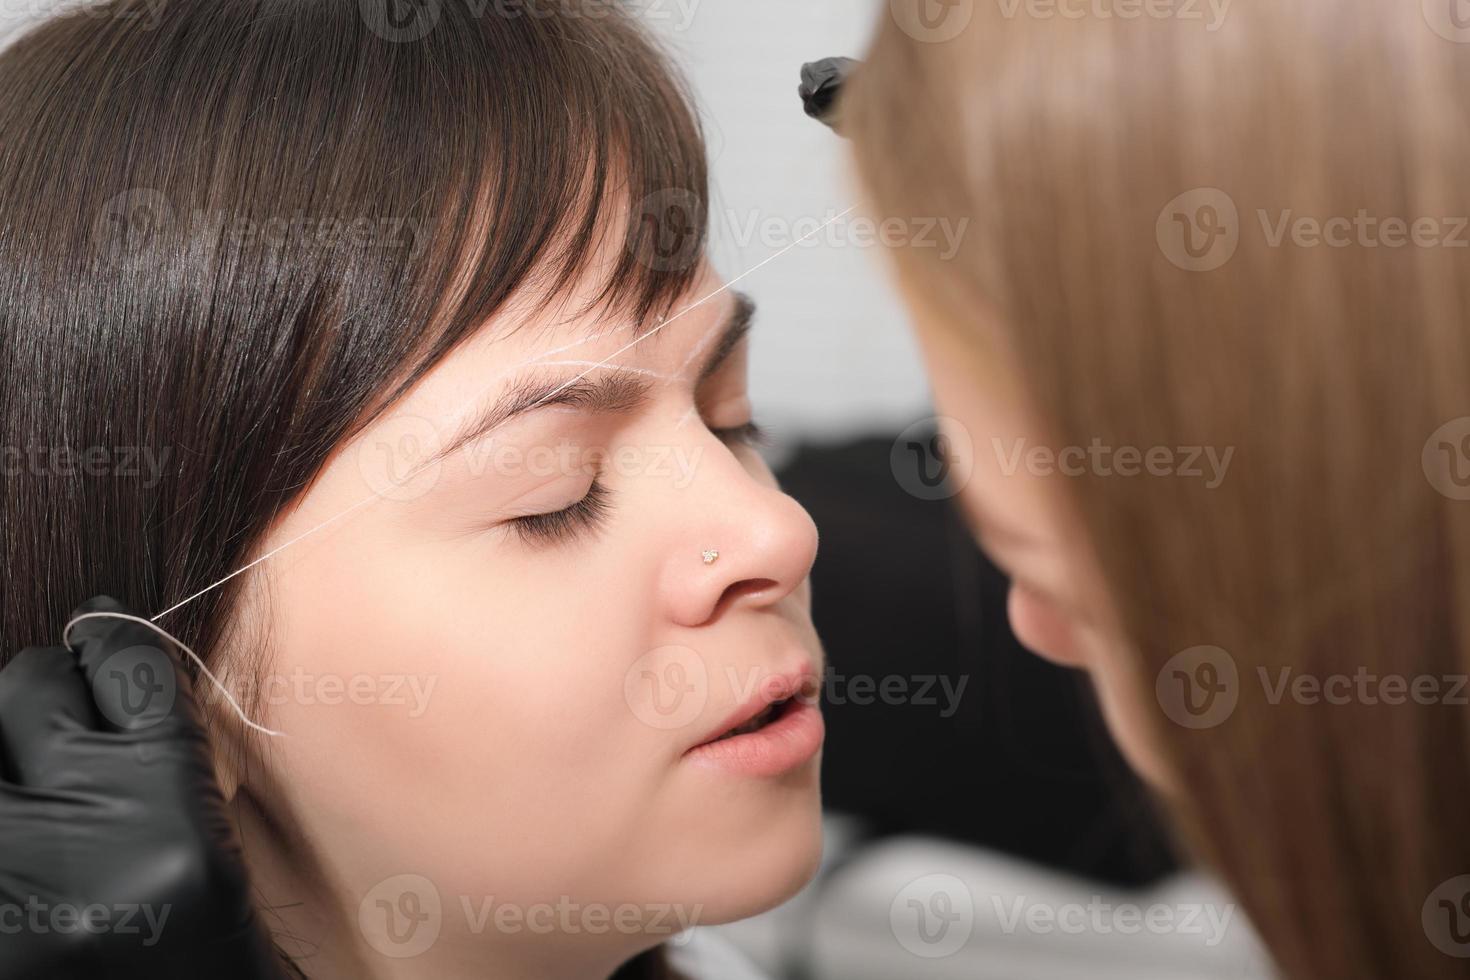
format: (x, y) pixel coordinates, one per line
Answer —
(740, 542)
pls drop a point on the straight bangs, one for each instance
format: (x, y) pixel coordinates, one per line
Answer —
(247, 227)
(592, 182)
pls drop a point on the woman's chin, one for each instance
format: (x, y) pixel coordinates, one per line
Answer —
(769, 877)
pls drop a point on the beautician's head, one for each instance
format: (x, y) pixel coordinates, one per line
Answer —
(495, 666)
(1234, 422)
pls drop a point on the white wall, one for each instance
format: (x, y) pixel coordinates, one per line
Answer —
(832, 355)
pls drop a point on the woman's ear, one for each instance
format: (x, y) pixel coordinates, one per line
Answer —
(241, 662)
(227, 749)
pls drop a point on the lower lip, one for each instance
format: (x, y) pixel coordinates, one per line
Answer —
(785, 744)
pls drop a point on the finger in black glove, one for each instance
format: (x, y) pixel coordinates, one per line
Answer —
(821, 85)
(117, 857)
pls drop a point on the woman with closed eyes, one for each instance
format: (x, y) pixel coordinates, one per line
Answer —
(399, 304)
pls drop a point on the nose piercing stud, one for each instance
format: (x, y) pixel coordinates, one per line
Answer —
(710, 557)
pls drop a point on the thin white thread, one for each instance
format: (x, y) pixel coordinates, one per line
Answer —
(601, 364)
(694, 352)
(605, 362)
(622, 367)
(538, 359)
(66, 639)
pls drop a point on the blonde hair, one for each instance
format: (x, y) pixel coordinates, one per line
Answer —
(1135, 189)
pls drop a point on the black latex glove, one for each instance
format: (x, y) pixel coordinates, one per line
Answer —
(116, 857)
(821, 85)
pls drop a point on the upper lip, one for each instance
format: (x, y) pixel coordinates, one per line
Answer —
(771, 688)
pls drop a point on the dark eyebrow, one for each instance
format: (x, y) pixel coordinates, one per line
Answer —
(614, 393)
(736, 329)
(619, 391)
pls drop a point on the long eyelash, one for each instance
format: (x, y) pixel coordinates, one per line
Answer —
(563, 525)
(750, 434)
(592, 510)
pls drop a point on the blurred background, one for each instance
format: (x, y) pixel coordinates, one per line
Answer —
(980, 825)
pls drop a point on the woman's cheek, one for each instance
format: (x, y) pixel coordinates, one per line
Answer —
(1041, 628)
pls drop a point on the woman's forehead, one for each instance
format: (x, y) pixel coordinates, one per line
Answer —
(571, 331)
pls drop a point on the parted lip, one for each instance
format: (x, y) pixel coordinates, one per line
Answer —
(780, 686)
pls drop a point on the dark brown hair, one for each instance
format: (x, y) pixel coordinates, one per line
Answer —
(1078, 147)
(232, 232)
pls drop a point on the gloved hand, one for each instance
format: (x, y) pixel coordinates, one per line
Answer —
(821, 87)
(116, 856)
